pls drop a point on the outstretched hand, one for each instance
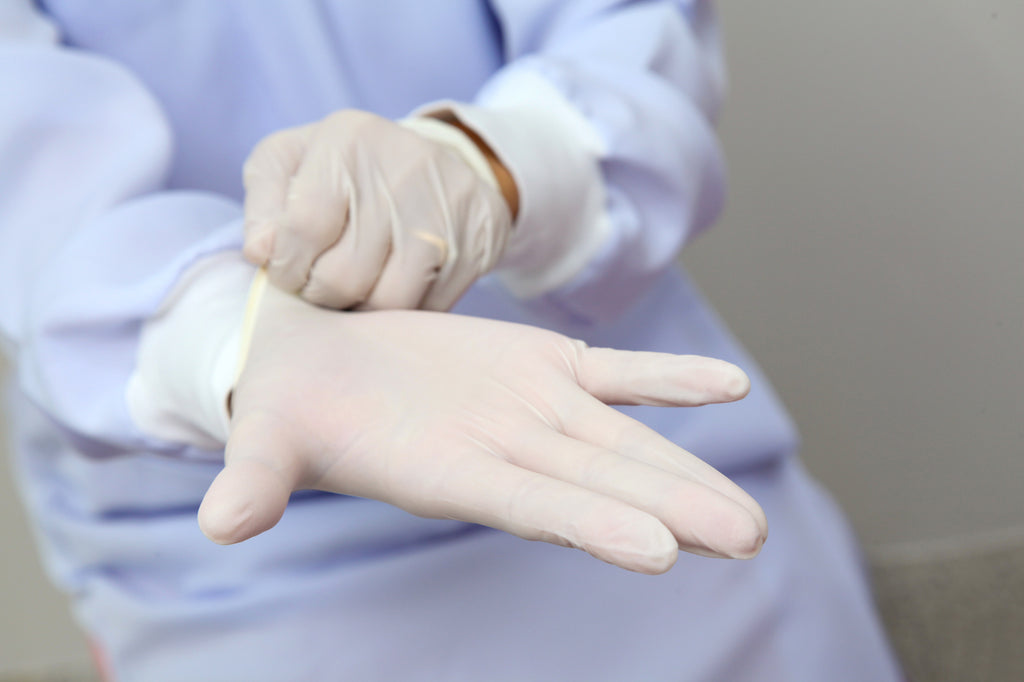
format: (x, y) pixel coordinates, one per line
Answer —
(482, 421)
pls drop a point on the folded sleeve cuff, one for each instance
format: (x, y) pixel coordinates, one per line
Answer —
(188, 355)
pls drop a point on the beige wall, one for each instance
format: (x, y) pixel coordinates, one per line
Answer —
(872, 251)
(870, 257)
(36, 632)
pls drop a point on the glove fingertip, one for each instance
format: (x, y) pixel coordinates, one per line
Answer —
(739, 535)
(242, 502)
(737, 384)
(658, 564)
(259, 244)
(638, 543)
(658, 556)
(226, 525)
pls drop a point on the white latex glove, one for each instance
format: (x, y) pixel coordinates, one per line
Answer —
(358, 211)
(482, 421)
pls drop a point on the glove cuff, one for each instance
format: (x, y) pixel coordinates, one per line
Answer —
(455, 140)
(553, 154)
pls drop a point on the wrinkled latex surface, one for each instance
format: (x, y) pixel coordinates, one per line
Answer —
(356, 211)
(478, 420)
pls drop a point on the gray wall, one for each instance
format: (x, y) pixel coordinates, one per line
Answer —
(871, 253)
(870, 257)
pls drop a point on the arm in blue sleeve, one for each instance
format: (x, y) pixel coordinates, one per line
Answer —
(90, 242)
(648, 79)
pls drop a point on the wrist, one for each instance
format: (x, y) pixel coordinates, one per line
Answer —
(506, 183)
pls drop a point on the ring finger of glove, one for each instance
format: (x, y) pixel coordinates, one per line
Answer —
(415, 263)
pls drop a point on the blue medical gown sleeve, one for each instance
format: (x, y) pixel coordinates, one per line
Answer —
(90, 243)
(648, 77)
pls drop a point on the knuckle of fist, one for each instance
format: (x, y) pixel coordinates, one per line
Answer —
(335, 291)
(308, 222)
(348, 119)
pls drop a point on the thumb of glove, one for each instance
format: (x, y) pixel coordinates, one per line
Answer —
(250, 494)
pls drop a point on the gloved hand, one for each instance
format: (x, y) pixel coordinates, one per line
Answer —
(359, 211)
(483, 421)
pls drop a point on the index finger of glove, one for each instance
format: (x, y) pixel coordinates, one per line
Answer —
(619, 377)
(267, 176)
(316, 214)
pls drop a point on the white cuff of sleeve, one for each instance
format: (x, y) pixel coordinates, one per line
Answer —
(553, 154)
(189, 353)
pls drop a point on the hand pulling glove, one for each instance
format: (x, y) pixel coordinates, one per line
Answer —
(356, 211)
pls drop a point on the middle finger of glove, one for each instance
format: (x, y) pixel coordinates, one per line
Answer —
(345, 274)
(594, 422)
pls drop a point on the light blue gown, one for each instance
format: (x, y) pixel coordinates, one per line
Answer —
(120, 157)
